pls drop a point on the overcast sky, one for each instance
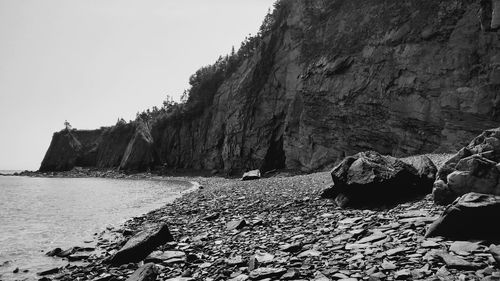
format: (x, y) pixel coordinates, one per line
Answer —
(93, 61)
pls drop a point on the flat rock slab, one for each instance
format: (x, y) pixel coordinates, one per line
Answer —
(266, 272)
(463, 248)
(472, 216)
(147, 272)
(457, 262)
(160, 256)
(236, 224)
(142, 244)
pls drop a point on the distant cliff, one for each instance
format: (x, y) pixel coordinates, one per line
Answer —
(331, 78)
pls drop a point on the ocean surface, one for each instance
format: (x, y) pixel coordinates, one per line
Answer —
(40, 214)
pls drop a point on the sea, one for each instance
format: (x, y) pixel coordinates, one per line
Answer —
(40, 214)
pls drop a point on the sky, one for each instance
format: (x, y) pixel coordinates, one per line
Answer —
(93, 61)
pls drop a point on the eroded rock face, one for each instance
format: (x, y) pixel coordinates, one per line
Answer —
(142, 244)
(472, 216)
(139, 153)
(475, 168)
(402, 78)
(371, 179)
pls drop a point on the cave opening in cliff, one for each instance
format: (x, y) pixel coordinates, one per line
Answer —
(275, 157)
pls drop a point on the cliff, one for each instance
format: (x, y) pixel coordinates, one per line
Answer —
(330, 79)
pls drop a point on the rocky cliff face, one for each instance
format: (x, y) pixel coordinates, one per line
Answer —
(335, 78)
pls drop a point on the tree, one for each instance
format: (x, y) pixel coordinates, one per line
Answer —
(67, 125)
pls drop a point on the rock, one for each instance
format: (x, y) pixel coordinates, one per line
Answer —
(142, 244)
(16, 270)
(236, 224)
(251, 175)
(235, 260)
(54, 252)
(241, 277)
(49, 271)
(472, 169)
(160, 256)
(368, 179)
(463, 248)
(456, 262)
(263, 257)
(291, 248)
(147, 272)
(403, 274)
(472, 216)
(138, 155)
(291, 274)
(495, 252)
(266, 272)
(78, 257)
(387, 265)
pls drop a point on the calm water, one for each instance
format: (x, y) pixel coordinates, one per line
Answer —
(39, 214)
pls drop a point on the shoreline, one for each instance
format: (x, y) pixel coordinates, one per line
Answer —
(287, 226)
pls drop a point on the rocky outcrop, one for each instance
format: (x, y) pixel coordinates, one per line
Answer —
(338, 77)
(370, 179)
(124, 146)
(472, 216)
(473, 169)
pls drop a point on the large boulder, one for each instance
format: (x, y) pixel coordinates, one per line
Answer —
(371, 179)
(142, 244)
(472, 216)
(475, 168)
(251, 175)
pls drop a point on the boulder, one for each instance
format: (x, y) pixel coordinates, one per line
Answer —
(371, 179)
(251, 175)
(472, 216)
(142, 244)
(147, 272)
(475, 168)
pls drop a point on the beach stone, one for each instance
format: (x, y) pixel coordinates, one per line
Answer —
(142, 244)
(236, 224)
(160, 256)
(456, 262)
(266, 272)
(241, 277)
(473, 169)
(495, 252)
(49, 271)
(463, 248)
(251, 175)
(371, 179)
(147, 272)
(54, 252)
(472, 216)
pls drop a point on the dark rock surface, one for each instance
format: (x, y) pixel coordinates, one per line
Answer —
(147, 272)
(336, 78)
(472, 216)
(473, 169)
(371, 179)
(142, 244)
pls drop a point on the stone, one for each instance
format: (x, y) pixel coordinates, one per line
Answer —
(251, 175)
(456, 262)
(241, 277)
(495, 252)
(463, 248)
(266, 272)
(369, 178)
(472, 169)
(49, 271)
(472, 216)
(142, 244)
(236, 224)
(147, 272)
(160, 256)
(54, 252)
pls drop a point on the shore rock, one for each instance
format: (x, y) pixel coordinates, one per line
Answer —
(472, 216)
(142, 244)
(473, 169)
(147, 272)
(371, 179)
